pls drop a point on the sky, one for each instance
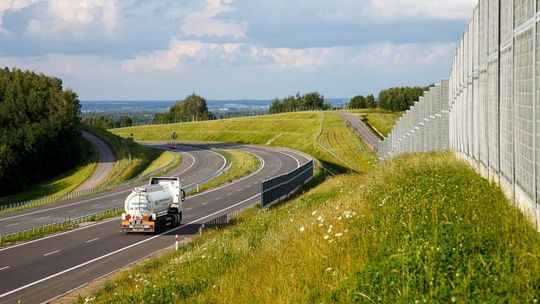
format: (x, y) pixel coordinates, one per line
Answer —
(232, 49)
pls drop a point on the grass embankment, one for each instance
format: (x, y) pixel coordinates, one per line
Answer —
(422, 228)
(382, 122)
(63, 183)
(162, 161)
(131, 158)
(312, 132)
(242, 164)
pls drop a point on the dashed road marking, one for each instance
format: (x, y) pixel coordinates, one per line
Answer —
(11, 225)
(52, 252)
(218, 198)
(189, 208)
(229, 194)
(204, 203)
(70, 211)
(92, 240)
(4, 268)
(44, 217)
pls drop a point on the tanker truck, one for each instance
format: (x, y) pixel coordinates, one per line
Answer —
(154, 207)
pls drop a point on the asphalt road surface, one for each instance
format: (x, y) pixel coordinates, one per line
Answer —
(105, 164)
(40, 270)
(362, 130)
(198, 164)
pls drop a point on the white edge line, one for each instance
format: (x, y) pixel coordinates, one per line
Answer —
(59, 234)
(119, 250)
(4, 268)
(85, 201)
(220, 169)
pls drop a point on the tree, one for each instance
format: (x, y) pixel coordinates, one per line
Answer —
(307, 102)
(358, 102)
(370, 101)
(399, 98)
(192, 108)
(39, 135)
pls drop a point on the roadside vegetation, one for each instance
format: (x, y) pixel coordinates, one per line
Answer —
(242, 164)
(383, 122)
(39, 138)
(131, 157)
(312, 132)
(164, 159)
(62, 184)
(421, 228)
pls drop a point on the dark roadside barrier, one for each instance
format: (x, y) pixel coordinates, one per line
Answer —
(279, 188)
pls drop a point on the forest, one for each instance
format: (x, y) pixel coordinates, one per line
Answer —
(39, 135)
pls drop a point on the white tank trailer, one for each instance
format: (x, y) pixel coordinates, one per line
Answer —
(155, 207)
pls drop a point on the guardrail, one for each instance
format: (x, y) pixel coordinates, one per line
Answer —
(80, 193)
(278, 188)
(59, 223)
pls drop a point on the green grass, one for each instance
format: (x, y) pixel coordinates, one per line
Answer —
(383, 122)
(63, 183)
(165, 158)
(422, 228)
(311, 132)
(242, 164)
(131, 158)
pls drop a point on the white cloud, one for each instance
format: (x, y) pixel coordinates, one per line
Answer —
(76, 17)
(14, 6)
(203, 22)
(432, 9)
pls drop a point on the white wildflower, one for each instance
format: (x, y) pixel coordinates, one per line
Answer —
(339, 234)
(301, 229)
(325, 237)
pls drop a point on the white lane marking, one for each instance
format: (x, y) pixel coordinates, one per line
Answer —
(115, 200)
(4, 268)
(92, 240)
(219, 170)
(85, 201)
(120, 250)
(52, 252)
(204, 203)
(239, 190)
(70, 211)
(218, 198)
(11, 225)
(229, 194)
(96, 205)
(262, 164)
(59, 234)
(44, 217)
(189, 208)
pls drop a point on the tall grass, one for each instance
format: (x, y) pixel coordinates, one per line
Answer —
(382, 122)
(421, 228)
(131, 158)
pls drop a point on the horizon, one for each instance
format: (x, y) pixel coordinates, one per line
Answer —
(232, 49)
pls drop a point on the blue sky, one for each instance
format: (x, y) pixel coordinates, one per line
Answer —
(232, 49)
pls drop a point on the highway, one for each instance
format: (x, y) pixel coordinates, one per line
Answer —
(198, 164)
(105, 164)
(40, 270)
(361, 129)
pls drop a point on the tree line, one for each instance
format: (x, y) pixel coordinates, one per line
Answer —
(308, 102)
(39, 137)
(191, 108)
(392, 99)
(107, 122)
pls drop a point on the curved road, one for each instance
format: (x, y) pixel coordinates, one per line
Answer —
(105, 164)
(40, 270)
(198, 164)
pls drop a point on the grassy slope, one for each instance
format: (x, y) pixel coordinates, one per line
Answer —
(419, 228)
(242, 164)
(383, 122)
(163, 160)
(311, 132)
(132, 158)
(64, 183)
